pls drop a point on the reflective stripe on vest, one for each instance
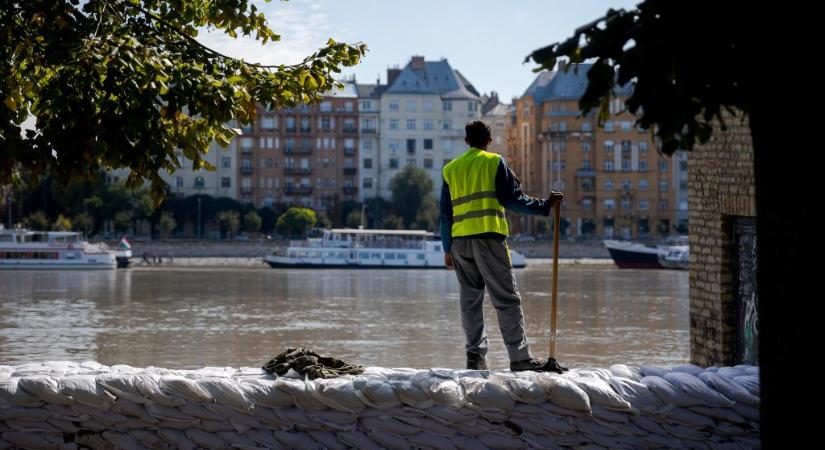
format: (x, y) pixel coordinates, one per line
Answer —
(472, 181)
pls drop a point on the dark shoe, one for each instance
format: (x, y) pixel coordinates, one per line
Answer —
(528, 364)
(553, 366)
(476, 361)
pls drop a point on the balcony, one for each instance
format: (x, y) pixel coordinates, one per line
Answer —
(306, 130)
(246, 190)
(298, 190)
(298, 151)
(297, 170)
(246, 150)
(585, 173)
(349, 151)
(350, 170)
(350, 130)
(350, 190)
(246, 170)
(368, 131)
(291, 129)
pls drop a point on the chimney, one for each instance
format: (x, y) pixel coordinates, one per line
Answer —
(417, 62)
(392, 74)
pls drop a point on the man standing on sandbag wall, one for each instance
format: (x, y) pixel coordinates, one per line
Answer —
(478, 186)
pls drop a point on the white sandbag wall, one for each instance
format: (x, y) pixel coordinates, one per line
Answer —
(62, 405)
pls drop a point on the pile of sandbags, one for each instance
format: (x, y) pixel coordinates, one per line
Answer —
(64, 405)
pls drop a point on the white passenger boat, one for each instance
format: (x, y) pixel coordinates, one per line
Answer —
(26, 249)
(356, 248)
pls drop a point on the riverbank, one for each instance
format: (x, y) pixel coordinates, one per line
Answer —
(247, 249)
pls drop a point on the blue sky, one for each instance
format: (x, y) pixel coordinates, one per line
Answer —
(484, 39)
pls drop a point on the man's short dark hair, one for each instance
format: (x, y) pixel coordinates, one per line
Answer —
(477, 134)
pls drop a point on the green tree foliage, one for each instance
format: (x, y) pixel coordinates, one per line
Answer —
(84, 222)
(678, 90)
(229, 221)
(123, 220)
(296, 221)
(37, 221)
(353, 219)
(251, 222)
(393, 222)
(62, 223)
(427, 217)
(166, 224)
(409, 189)
(125, 83)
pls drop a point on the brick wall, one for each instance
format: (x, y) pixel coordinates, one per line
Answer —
(721, 188)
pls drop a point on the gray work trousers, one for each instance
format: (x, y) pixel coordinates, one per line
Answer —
(485, 262)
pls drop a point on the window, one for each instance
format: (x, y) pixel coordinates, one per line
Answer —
(663, 166)
(394, 144)
(349, 144)
(626, 185)
(447, 105)
(179, 182)
(445, 161)
(226, 163)
(663, 186)
(349, 106)
(394, 106)
(587, 204)
(290, 124)
(368, 163)
(410, 105)
(366, 104)
(226, 182)
(410, 124)
(367, 144)
(448, 125)
(446, 144)
(428, 144)
(428, 163)
(411, 161)
(644, 205)
(643, 185)
(326, 106)
(608, 126)
(410, 145)
(428, 124)
(325, 123)
(662, 205)
(608, 185)
(626, 204)
(562, 126)
(393, 124)
(608, 166)
(625, 165)
(268, 123)
(586, 147)
(626, 125)
(305, 125)
(585, 126)
(269, 163)
(586, 165)
(199, 183)
(643, 147)
(472, 106)
(367, 183)
(608, 146)
(609, 204)
(393, 163)
(427, 105)
(642, 165)
(557, 165)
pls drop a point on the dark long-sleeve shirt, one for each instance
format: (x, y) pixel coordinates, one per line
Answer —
(508, 193)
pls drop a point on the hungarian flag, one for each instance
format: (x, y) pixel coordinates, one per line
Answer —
(124, 244)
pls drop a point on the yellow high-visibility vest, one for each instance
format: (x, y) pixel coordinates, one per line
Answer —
(472, 181)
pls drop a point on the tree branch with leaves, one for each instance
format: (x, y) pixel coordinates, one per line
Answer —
(126, 84)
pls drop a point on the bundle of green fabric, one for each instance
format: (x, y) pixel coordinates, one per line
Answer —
(310, 364)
